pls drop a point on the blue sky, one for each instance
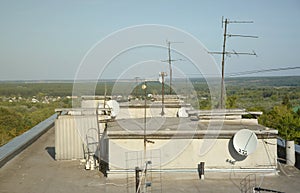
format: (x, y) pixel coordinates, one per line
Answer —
(48, 39)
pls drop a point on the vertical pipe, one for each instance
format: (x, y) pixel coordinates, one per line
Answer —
(137, 179)
(201, 170)
(290, 153)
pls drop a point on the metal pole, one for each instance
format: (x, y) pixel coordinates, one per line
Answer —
(170, 65)
(162, 74)
(144, 87)
(136, 82)
(201, 170)
(137, 179)
(222, 102)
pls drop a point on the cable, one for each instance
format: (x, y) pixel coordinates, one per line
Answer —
(109, 183)
(263, 70)
(251, 71)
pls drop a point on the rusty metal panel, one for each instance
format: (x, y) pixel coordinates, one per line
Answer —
(72, 136)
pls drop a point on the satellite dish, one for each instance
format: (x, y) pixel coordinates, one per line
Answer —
(245, 142)
(114, 105)
(160, 79)
(182, 112)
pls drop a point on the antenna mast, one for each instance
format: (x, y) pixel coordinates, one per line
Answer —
(170, 61)
(162, 74)
(224, 52)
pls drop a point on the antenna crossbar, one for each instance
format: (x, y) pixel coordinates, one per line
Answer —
(243, 36)
(228, 21)
(226, 53)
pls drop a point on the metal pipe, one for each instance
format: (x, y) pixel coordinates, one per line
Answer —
(267, 170)
(144, 87)
(201, 170)
(137, 179)
(222, 106)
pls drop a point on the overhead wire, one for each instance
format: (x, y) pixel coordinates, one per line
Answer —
(262, 70)
(241, 73)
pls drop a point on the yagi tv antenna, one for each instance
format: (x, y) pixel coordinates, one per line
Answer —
(245, 142)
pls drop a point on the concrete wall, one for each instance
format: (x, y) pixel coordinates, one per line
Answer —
(185, 154)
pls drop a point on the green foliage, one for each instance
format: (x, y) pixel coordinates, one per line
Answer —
(285, 120)
(286, 101)
(205, 104)
(231, 102)
(11, 89)
(10, 122)
(16, 118)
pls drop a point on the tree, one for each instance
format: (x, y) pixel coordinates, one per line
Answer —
(231, 102)
(285, 120)
(286, 101)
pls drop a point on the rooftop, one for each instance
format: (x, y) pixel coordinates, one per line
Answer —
(35, 170)
(180, 127)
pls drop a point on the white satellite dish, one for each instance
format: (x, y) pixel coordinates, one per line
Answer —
(182, 112)
(245, 142)
(160, 79)
(114, 105)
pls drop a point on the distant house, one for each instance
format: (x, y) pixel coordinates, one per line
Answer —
(34, 100)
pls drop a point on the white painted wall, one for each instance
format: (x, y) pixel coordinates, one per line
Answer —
(185, 154)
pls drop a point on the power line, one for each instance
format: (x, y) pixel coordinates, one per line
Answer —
(248, 72)
(263, 70)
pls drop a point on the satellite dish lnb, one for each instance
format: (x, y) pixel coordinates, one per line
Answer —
(115, 107)
(245, 142)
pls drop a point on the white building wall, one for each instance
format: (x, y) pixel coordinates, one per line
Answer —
(185, 154)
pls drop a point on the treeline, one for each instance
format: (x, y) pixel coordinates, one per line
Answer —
(9, 89)
(277, 97)
(16, 118)
(285, 119)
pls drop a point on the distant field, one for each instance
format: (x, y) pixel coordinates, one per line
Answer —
(248, 92)
(24, 104)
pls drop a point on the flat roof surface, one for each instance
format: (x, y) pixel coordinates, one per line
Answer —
(175, 126)
(35, 170)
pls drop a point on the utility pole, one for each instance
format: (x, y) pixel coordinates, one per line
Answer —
(170, 61)
(162, 75)
(224, 52)
(136, 82)
(170, 64)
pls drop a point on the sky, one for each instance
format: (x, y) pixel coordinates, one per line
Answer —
(49, 40)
